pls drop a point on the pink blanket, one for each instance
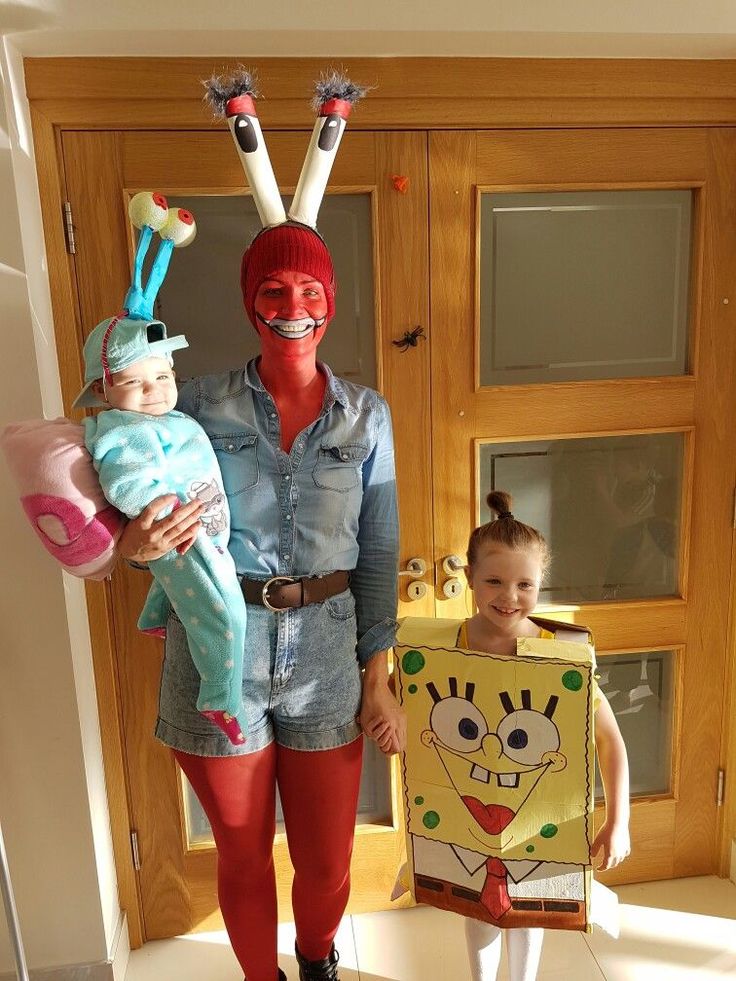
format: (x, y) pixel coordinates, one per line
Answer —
(61, 495)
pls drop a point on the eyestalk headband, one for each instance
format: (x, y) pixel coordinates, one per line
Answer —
(232, 98)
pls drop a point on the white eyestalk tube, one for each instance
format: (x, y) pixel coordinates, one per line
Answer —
(323, 147)
(241, 117)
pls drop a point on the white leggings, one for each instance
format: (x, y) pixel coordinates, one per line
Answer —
(524, 948)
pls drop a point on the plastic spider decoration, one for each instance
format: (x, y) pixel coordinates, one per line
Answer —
(410, 339)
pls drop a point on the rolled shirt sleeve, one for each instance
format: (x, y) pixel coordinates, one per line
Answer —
(374, 580)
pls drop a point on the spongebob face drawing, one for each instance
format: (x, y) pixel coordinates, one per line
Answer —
(493, 772)
(498, 775)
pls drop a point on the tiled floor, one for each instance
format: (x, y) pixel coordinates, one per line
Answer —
(670, 931)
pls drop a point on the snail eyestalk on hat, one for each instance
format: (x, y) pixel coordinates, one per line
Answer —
(232, 98)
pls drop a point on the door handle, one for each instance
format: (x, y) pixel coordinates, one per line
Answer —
(452, 564)
(415, 569)
(452, 587)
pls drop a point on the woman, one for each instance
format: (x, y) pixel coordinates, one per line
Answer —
(307, 462)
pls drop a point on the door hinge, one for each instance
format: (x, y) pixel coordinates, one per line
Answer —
(721, 786)
(135, 850)
(71, 246)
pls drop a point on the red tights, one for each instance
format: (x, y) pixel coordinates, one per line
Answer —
(319, 796)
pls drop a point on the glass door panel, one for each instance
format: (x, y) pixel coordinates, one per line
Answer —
(640, 689)
(578, 285)
(609, 506)
(374, 801)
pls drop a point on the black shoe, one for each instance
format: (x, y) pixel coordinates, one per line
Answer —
(324, 970)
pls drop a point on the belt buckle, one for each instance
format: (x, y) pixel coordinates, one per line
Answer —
(267, 586)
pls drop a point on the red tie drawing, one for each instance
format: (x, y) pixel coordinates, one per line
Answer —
(495, 896)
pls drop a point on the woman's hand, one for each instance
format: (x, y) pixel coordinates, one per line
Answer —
(615, 842)
(381, 717)
(145, 538)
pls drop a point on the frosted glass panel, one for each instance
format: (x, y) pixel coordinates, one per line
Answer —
(609, 507)
(582, 285)
(201, 294)
(374, 801)
(639, 688)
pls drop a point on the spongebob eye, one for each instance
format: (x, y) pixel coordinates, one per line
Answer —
(179, 227)
(148, 208)
(526, 735)
(458, 724)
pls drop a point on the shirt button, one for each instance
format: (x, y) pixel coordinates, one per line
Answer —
(287, 477)
(344, 456)
(231, 446)
(286, 555)
(273, 415)
(288, 517)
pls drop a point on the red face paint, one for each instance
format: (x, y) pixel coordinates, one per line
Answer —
(291, 308)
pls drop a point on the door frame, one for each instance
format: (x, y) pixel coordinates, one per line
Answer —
(410, 93)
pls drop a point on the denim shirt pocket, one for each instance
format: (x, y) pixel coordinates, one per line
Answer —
(237, 455)
(338, 467)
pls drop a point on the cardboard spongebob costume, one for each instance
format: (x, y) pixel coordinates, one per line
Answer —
(498, 774)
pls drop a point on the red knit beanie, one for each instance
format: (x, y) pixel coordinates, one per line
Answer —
(291, 246)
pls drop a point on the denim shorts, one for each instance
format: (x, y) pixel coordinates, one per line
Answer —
(301, 682)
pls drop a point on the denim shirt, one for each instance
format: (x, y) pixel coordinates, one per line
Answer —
(329, 504)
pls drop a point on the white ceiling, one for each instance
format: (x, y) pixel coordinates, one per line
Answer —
(541, 28)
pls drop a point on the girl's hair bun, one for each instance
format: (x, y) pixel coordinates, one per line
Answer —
(499, 502)
(506, 530)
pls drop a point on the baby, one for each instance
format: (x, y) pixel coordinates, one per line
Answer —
(142, 448)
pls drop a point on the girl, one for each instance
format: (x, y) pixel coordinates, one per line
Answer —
(506, 563)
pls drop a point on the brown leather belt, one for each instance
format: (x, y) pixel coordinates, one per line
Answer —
(286, 592)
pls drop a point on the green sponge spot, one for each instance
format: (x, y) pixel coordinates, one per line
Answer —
(431, 819)
(572, 680)
(548, 830)
(412, 662)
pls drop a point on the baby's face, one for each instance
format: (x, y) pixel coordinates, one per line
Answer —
(146, 386)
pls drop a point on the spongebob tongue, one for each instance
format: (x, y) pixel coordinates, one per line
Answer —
(493, 818)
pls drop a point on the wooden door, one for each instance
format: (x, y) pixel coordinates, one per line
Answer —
(103, 169)
(583, 355)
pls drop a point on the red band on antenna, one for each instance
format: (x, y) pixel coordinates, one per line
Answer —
(240, 103)
(340, 107)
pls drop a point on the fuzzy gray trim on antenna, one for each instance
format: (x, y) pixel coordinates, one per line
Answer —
(219, 89)
(336, 85)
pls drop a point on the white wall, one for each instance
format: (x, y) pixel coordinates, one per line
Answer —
(564, 28)
(53, 807)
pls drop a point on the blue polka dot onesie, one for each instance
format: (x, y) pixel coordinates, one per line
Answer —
(140, 457)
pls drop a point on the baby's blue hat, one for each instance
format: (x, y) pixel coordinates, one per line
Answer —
(116, 344)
